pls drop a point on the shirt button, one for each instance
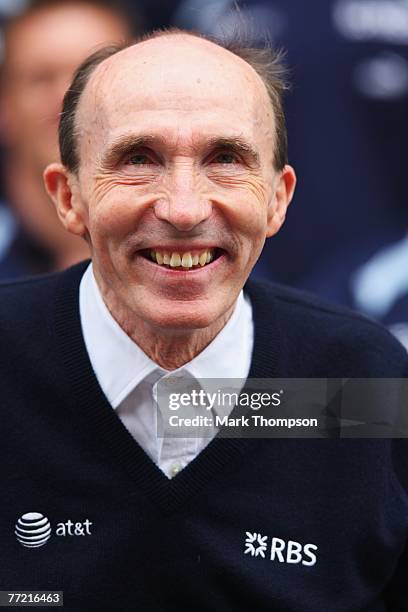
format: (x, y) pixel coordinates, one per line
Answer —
(175, 469)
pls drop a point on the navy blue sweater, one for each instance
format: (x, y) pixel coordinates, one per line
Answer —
(251, 524)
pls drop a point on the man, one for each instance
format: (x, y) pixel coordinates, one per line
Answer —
(43, 46)
(174, 169)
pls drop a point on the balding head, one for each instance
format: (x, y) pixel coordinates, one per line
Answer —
(169, 55)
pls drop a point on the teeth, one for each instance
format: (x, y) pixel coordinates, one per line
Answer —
(185, 260)
(203, 258)
(175, 260)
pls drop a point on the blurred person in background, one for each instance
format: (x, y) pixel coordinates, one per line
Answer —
(43, 45)
(347, 129)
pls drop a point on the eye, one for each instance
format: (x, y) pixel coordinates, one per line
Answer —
(225, 158)
(139, 159)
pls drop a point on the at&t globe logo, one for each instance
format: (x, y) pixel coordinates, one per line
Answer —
(33, 530)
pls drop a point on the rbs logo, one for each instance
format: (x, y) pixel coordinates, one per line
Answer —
(293, 552)
(281, 551)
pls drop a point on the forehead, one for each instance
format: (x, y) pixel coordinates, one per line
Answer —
(177, 78)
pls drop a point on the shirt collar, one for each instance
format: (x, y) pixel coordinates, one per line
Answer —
(120, 364)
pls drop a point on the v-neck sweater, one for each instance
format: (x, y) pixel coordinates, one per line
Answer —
(292, 525)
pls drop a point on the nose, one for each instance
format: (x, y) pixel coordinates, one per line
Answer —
(184, 206)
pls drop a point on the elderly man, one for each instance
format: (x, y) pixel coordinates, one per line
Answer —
(174, 171)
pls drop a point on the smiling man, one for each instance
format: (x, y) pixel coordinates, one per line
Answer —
(174, 170)
(179, 190)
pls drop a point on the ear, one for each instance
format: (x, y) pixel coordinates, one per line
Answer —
(62, 187)
(283, 190)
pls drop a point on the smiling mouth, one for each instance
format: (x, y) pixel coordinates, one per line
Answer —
(185, 260)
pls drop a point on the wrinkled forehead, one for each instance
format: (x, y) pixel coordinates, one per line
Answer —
(150, 81)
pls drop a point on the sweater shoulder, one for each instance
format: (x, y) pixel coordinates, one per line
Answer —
(304, 306)
(314, 329)
(24, 297)
(30, 303)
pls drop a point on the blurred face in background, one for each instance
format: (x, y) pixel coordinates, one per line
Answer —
(42, 51)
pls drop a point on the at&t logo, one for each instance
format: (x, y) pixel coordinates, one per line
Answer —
(33, 529)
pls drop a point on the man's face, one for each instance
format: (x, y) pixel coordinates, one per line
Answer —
(176, 165)
(42, 52)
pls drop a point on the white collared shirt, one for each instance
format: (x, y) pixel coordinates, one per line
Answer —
(128, 377)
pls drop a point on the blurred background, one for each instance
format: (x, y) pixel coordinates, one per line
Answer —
(346, 233)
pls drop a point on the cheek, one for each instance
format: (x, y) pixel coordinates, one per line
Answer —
(114, 214)
(246, 208)
(251, 219)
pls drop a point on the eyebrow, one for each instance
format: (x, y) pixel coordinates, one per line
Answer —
(125, 145)
(237, 145)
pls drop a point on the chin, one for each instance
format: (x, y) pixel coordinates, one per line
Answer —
(185, 319)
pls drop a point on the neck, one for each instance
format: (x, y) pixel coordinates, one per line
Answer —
(173, 349)
(169, 348)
